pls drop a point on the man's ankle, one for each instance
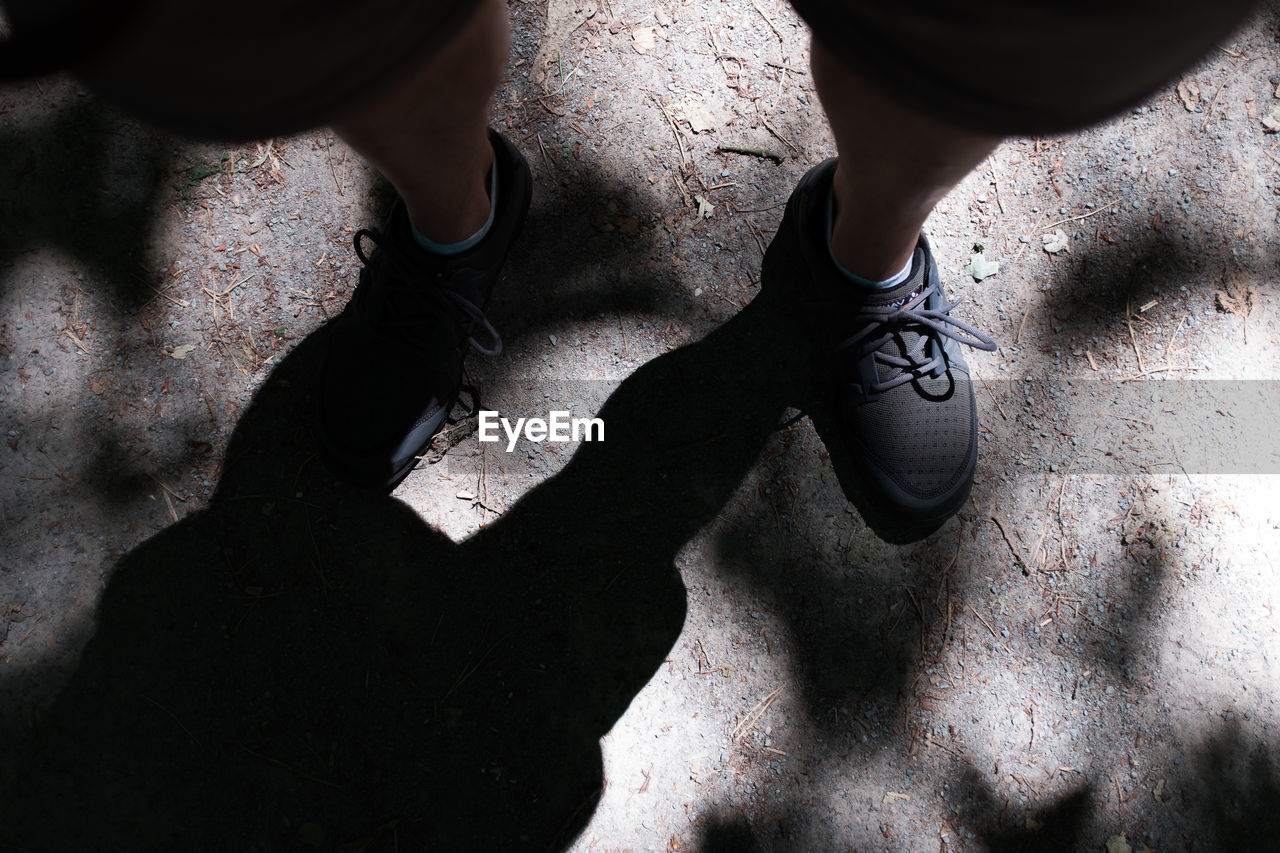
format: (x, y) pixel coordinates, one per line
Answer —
(457, 247)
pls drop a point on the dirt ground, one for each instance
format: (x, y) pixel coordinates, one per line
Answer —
(684, 637)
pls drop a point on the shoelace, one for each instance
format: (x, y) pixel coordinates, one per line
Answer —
(929, 323)
(409, 296)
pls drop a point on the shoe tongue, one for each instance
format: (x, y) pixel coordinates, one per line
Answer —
(906, 339)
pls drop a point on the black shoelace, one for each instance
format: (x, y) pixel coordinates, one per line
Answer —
(411, 297)
(884, 322)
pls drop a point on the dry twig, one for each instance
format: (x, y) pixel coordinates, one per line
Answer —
(1208, 113)
(768, 21)
(1012, 547)
(675, 128)
(768, 126)
(1174, 336)
(334, 169)
(995, 182)
(1078, 217)
(754, 715)
(750, 152)
(1133, 338)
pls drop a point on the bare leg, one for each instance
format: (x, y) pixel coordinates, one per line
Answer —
(428, 133)
(895, 164)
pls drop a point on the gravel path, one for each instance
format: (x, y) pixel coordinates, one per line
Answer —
(206, 643)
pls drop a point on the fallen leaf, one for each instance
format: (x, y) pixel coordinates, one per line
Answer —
(465, 496)
(1251, 107)
(1118, 844)
(894, 796)
(1238, 298)
(1189, 91)
(1033, 824)
(1159, 791)
(1271, 121)
(95, 385)
(183, 351)
(1055, 242)
(979, 267)
(643, 39)
(698, 116)
(662, 16)
(705, 208)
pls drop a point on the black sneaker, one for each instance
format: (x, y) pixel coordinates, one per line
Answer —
(893, 401)
(392, 364)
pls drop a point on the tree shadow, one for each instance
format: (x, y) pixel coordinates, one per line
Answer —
(299, 665)
(1236, 784)
(727, 834)
(1093, 291)
(84, 182)
(1057, 825)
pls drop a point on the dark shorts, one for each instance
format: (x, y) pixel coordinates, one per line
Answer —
(268, 67)
(243, 69)
(1022, 67)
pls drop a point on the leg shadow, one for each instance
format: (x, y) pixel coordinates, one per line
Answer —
(301, 666)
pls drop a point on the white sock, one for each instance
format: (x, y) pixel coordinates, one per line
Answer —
(462, 245)
(861, 281)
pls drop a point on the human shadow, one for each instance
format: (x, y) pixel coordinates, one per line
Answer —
(304, 666)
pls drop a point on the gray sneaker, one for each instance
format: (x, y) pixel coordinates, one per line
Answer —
(391, 368)
(892, 402)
